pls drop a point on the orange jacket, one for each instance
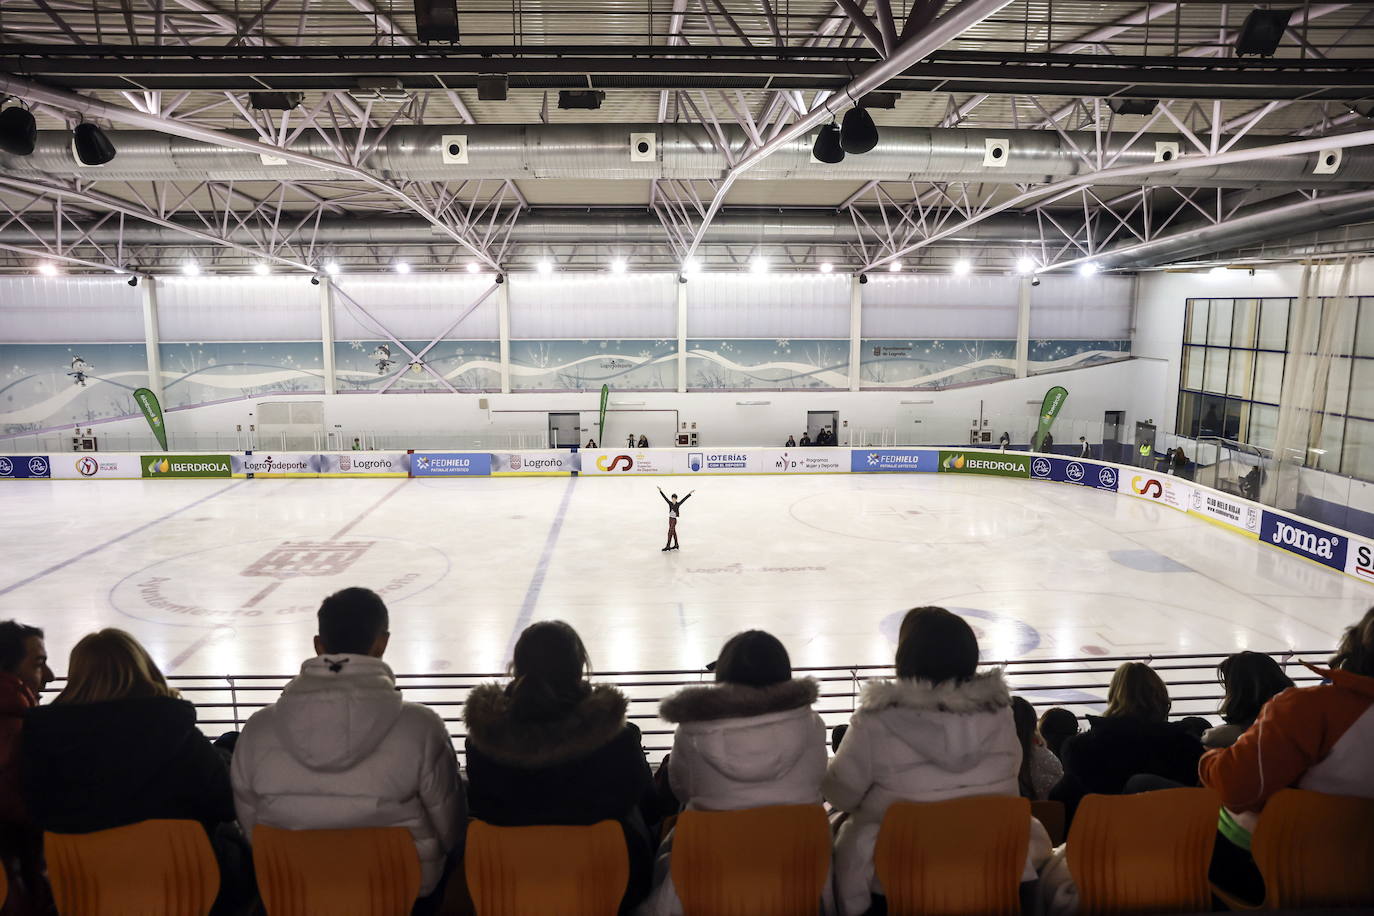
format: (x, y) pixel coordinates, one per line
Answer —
(1319, 738)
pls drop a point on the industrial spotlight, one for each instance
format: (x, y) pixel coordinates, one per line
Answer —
(275, 101)
(91, 145)
(492, 88)
(1262, 32)
(586, 99)
(827, 147)
(18, 132)
(436, 20)
(133, 281)
(1132, 106)
(858, 133)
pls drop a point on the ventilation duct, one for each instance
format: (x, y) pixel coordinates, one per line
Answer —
(684, 151)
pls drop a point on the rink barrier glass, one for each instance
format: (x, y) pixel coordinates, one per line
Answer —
(1333, 548)
(224, 703)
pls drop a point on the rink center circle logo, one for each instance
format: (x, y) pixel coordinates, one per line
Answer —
(273, 581)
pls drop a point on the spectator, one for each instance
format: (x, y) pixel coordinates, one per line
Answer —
(1004, 441)
(630, 441)
(1249, 680)
(805, 441)
(643, 441)
(791, 442)
(551, 748)
(1057, 725)
(591, 443)
(942, 730)
(340, 748)
(24, 672)
(1084, 449)
(1040, 769)
(1316, 738)
(1133, 736)
(751, 741)
(357, 445)
(118, 746)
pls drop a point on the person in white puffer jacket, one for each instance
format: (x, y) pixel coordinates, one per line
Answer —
(750, 741)
(340, 748)
(942, 730)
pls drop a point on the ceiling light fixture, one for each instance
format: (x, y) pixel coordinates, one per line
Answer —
(402, 267)
(47, 269)
(332, 268)
(895, 267)
(759, 265)
(1087, 269)
(962, 268)
(618, 265)
(691, 266)
(545, 266)
(827, 147)
(474, 267)
(261, 269)
(191, 269)
(1025, 266)
(826, 267)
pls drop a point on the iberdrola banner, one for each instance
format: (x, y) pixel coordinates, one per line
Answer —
(152, 412)
(601, 426)
(1049, 409)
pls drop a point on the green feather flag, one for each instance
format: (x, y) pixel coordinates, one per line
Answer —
(152, 412)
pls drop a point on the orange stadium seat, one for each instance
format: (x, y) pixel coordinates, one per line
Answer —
(152, 868)
(1315, 850)
(549, 870)
(371, 871)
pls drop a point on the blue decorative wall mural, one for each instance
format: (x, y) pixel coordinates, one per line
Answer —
(774, 364)
(577, 365)
(467, 365)
(48, 385)
(934, 364)
(203, 373)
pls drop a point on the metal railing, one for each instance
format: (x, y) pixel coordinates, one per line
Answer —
(224, 703)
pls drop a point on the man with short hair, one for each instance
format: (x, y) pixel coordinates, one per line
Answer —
(340, 748)
(24, 672)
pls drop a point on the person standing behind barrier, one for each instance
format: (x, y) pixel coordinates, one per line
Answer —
(790, 443)
(805, 441)
(942, 730)
(1318, 738)
(750, 741)
(1004, 441)
(643, 441)
(551, 748)
(340, 748)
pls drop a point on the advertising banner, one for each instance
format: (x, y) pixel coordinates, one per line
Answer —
(719, 461)
(1083, 473)
(534, 464)
(450, 464)
(653, 461)
(601, 419)
(1359, 559)
(276, 464)
(96, 466)
(152, 412)
(1233, 513)
(1159, 488)
(364, 464)
(1305, 540)
(994, 463)
(894, 459)
(19, 467)
(1049, 409)
(186, 466)
(803, 461)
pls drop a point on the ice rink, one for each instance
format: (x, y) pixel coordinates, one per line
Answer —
(223, 577)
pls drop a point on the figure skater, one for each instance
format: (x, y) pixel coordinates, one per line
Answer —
(674, 507)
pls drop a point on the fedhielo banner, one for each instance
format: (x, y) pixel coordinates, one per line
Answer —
(450, 464)
(894, 459)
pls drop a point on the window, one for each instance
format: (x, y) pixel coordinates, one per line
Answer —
(1214, 376)
(1243, 319)
(1268, 376)
(1264, 425)
(1193, 360)
(1364, 330)
(1219, 323)
(1273, 331)
(1242, 368)
(1362, 389)
(1197, 321)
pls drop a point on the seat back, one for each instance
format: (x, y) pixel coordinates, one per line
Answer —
(152, 868)
(756, 862)
(1145, 853)
(962, 856)
(354, 872)
(1050, 814)
(1316, 850)
(550, 870)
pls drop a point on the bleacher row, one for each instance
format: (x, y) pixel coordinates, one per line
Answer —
(1144, 853)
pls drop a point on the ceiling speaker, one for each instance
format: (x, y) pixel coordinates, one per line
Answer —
(18, 132)
(91, 145)
(436, 20)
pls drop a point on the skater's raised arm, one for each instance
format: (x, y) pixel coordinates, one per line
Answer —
(685, 498)
(665, 496)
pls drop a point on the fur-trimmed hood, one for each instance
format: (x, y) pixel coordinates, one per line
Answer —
(953, 724)
(737, 701)
(590, 725)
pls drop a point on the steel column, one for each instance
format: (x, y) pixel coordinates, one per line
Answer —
(152, 337)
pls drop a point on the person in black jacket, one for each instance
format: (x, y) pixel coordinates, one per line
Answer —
(118, 746)
(674, 510)
(551, 748)
(1133, 737)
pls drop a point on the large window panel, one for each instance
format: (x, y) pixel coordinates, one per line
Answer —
(1327, 451)
(1197, 320)
(1339, 320)
(1338, 386)
(1264, 425)
(1244, 319)
(1240, 374)
(1357, 454)
(1219, 323)
(1236, 420)
(1273, 326)
(1268, 377)
(1362, 389)
(1214, 377)
(1188, 404)
(1211, 415)
(1194, 359)
(1364, 329)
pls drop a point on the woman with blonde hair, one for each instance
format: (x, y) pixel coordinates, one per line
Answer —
(119, 745)
(1133, 736)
